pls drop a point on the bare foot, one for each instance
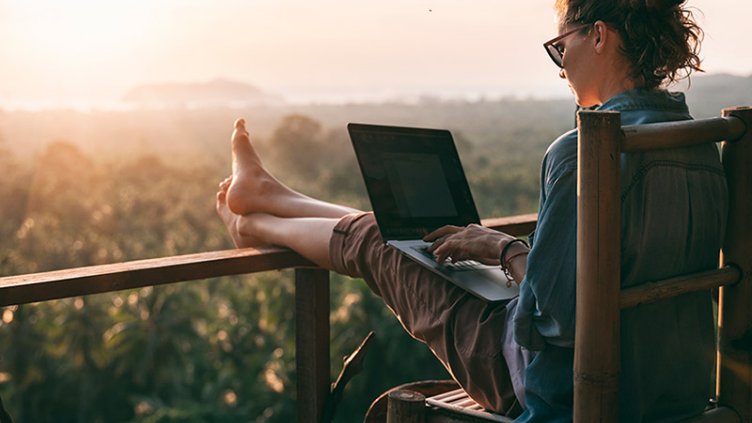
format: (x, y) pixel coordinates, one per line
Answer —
(232, 221)
(251, 186)
(252, 189)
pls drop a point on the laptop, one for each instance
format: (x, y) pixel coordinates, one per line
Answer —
(416, 184)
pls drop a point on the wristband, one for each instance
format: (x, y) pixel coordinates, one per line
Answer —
(503, 262)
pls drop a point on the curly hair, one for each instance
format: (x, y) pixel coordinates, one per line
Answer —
(660, 38)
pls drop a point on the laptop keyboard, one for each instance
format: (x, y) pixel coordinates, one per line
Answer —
(460, 265)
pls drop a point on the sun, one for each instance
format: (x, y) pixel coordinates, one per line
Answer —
(59, 52)
(78, 32)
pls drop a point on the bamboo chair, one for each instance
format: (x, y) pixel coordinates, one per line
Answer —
(599, 296)
(601, 139)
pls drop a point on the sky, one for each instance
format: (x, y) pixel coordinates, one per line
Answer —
(78, 52)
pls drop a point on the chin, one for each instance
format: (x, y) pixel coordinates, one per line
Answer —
(586, 104)
(582, 100)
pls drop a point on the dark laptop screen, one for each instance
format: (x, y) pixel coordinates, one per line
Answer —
(414, 179)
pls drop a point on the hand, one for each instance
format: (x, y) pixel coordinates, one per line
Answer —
(473, 242)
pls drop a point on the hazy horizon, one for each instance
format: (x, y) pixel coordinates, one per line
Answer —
(83, 53)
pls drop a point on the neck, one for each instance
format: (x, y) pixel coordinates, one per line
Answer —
(615, 84)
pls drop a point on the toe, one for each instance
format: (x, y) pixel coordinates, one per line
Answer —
(240, 134)
(225, 184)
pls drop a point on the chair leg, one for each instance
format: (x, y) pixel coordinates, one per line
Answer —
(377, 412)
(406, 407)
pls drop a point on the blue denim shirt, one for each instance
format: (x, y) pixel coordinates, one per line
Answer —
(674, 205)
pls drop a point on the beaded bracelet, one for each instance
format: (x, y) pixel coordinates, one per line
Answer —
(504, 263)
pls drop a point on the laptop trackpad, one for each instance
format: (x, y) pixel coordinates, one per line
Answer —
(486, 282)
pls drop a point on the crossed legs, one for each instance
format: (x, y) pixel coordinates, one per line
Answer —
(259, 210)
(463, 332)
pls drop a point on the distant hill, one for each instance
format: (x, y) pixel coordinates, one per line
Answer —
(200, 116)
(216, 93)
(708, 94)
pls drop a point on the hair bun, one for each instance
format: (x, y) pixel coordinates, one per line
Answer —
(657, 4)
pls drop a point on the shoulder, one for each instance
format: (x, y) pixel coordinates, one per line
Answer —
(561, 157)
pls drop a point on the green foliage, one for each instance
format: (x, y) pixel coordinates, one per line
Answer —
(214, 351)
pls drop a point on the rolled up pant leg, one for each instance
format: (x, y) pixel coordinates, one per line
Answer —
(464, 332)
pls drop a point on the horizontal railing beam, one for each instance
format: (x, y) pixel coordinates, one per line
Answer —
(98, 279)
(668, 288)
(136, 274)
(658, 136)
(513, 225)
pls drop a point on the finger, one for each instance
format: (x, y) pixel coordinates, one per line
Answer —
(441, 255)
(436, 244)
(440, 241)
(445, 251)
(442, 231)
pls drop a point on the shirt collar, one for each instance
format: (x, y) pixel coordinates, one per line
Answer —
(644, 99)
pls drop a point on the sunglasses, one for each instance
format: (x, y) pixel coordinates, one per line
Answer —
(555, 50)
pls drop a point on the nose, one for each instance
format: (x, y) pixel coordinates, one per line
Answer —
(562, 74)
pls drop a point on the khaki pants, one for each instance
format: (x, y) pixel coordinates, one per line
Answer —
(471, 338)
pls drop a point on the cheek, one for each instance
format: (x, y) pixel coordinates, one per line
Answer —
(579, 75)
(582, 88)
(572, 75)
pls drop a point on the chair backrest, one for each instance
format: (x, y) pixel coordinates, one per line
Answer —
(599, 295)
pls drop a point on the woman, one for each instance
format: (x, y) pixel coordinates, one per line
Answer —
(615, 54)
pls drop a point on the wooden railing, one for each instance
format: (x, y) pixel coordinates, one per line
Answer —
(311, 296)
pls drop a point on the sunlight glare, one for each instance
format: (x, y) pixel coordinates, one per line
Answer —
(78, 52)
(80, 31)
(69, 50)
(7, 316)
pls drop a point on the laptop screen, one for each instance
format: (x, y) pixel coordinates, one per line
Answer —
(414, 179)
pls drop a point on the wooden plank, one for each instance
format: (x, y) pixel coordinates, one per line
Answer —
(735, 314)
(596, 351)
(657, 136)
(312, 343)
(513, 225)
(135, 274)
(669, 288)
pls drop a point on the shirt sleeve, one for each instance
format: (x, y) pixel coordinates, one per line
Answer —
(546, 308)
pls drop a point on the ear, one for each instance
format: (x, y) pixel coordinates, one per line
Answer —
(601, 36)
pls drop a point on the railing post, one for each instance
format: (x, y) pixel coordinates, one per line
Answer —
(735, 304)
(311, 342)
(596, 352)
